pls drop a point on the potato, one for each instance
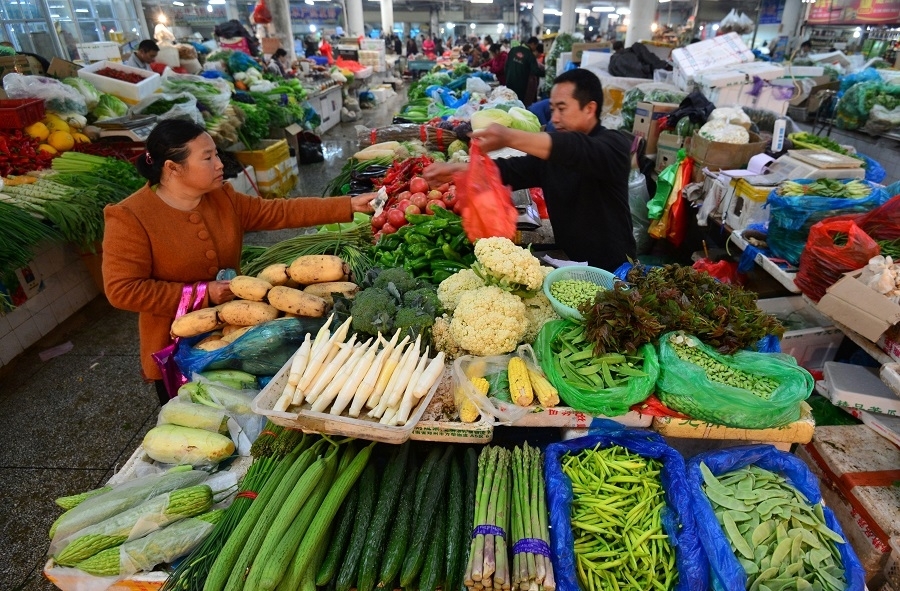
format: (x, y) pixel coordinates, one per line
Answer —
(324, 290)
(207, 345)
(294, 301)
(194, 323)
(317, 268)
(245, 313)
(275, 274)
(212, 337)
(228, 329)
(236, 334)
(250, 288)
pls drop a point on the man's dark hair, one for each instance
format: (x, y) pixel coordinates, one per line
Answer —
(147, 45)
(807, 44)
(495, 48)
(532, 41)
(617, 45)
(587, 87)
(280, 52)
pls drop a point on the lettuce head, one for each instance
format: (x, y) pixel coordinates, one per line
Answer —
(483, 119)
(524, 119)
(109, 107)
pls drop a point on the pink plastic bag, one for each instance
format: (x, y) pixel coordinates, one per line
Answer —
(172, 376)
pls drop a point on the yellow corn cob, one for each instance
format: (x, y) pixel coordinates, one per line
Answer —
(519, 384)
(543, 389)
(468, 411)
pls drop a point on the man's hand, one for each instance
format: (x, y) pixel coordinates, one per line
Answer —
(363, 203)
(219, 292)
(493, 137)
(442, 172)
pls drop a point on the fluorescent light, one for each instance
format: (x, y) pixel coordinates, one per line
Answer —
(582, 10)
(664, 1)
(715, 27)
(82, 10)
(472, 26)
(217, 1)
(603, 9)
(623, 10)
(54, 16)
(499, 26)
(613, 17)
(177, 3)
(209, 8)
(450, 25)
(312, 28)
(590, 28)
(552, 12)
(481, 1)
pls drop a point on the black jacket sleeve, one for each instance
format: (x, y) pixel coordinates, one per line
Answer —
(599, 156)
(521, 172)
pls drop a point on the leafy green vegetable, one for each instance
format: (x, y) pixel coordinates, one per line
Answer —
(109, 107)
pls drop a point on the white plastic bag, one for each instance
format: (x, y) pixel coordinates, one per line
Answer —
(187, 110)
(57, 97)
(475, 84)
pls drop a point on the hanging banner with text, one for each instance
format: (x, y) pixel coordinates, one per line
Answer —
(491, 13)
(771, 12)
(854, 12)
(305, 12)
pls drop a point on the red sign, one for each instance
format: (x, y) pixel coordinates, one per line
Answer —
(854, 12)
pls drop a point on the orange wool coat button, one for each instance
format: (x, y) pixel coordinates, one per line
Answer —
(210, 254)
(195, 218)
(202, 234)
(213, 270)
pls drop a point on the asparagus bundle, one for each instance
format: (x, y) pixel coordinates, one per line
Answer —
(488, 566)
(531, 566)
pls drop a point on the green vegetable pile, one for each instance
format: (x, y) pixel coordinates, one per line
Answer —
(256, 124)
(617, 503)
(431, 247)
(825, 188)
(163, 106)
(779, 539)
(575, 362)
(686, 349)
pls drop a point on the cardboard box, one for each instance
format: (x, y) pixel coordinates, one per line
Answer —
(647, 117)
(579, 48)
(722, 156)
(270, 44)
(859, 387)
(62, 69)
(812, 345)
(859, 467)
(855, 305)
(667, 147)
(800, 431)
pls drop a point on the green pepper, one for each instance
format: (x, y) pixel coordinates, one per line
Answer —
(435, 253)
(413, 238)
(445, 265)
(417, 250)
(458, 241)
(438, 276)
(445, 214)
(425, 230)
(450, 253)
(416, 219)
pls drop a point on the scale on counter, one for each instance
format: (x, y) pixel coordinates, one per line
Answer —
(136, 128)
(817, 164)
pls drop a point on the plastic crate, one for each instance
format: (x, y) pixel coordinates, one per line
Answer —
(20, 113)
(270, 154)
(892, 566)
(602, 278)
(813, 346)
(128, 92)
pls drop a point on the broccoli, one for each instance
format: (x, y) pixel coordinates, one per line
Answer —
(412, 321)
(373, 310)
(424, 299)
(401, 279)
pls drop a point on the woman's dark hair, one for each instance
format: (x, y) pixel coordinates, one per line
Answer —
(495, 48)
(167, 141)
(587, 87)
(280, 52)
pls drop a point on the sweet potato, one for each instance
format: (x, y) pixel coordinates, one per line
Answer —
(236, 334)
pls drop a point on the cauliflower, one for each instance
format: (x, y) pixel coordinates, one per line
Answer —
(453, 287)
(489, 321)
(443, 341)
(502, 263)
(538, 310)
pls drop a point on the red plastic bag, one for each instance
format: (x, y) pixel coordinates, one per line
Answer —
(679, 211)
(485, 202)
(823, 262)
(883, 222)
(537, 196)
(261, 14)
(725, 271)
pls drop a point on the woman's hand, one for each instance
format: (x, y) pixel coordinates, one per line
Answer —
(363, 203)
(219, 292)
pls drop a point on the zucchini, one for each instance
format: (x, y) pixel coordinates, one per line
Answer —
(397, 541)
(432, 570)
(344, 525)
(365, 508)
(455, 530)
(418, 544)
(384, 511)
(318, 529)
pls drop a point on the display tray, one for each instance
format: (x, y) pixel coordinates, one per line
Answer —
(569, 418)
(800, 431)
(440, 419)
(317, 422)
(785, 278)
(890, 375)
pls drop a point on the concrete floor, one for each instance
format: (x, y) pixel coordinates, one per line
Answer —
(68, 423)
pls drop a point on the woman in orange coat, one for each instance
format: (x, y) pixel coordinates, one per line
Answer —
(184, 226)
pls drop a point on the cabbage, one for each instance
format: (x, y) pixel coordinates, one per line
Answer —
(86, 89)
(483, 119)
(524, 120)
(109, 107)
(457, 146)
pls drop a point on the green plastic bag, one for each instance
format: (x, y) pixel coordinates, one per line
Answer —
(611, 402)
(684, 387)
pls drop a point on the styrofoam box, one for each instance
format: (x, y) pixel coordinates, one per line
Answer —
(811, 347)
(123, 90)
(99, 51)
(859, 387)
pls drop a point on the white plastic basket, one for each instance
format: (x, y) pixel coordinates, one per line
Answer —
(602, 278)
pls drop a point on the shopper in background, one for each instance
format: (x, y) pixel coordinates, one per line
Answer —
(428, 47)
(144, 55)
(184, 226)
(279, 65)
(521, 65)
(398, 45)
(411, 47)
(325, 50)
(582, 167)
(438, 45)
(497, 64)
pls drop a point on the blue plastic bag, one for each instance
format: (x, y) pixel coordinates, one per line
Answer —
(865, 75)
(875, 172)
(677, 520)
(726, 570)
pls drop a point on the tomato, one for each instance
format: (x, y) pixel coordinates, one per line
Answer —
(388, 229)
(403, 195)
(444, 188)
(418, 185)
(379, 220)
(412, 210)
(449, 199)
(419, 200)
(435, 194)
(403, 204)
(396, 219)
(432, 204)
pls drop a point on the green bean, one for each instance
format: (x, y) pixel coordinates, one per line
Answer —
(574, 292)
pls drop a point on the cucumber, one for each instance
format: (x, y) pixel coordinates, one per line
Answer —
(427, 466)
(384, 511)
(344, 525)
(346, 578)
(418, 544)
(453, 538)
(399, 538)
(433, 569)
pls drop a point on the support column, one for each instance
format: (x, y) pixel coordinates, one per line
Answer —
(231, 10)
(433, 22)
(640, 19)
(791, 18)
(281, 22)
(387, 17)
(355, 18)
(537, 20)
(567, 20)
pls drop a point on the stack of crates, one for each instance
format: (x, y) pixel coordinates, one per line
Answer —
(276, 171)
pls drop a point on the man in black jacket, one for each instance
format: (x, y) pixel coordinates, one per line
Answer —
(582, 167)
